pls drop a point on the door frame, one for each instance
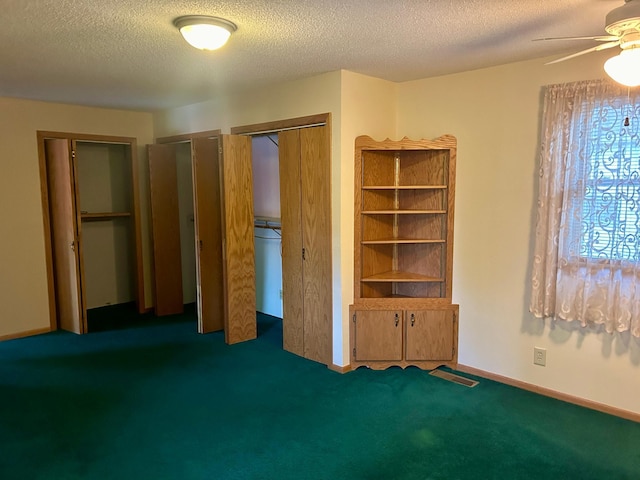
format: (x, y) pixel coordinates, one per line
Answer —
(322, 119)
(41, 136)
(188, 138)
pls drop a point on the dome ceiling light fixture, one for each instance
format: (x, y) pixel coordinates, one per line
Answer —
(205, 32)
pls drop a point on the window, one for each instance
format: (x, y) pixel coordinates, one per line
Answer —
(586, 260)
(609, 220)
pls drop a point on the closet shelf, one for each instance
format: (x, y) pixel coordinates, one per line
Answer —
(98, 216)
(396, 241)
(402, 212)
(404, 187)
(398, 276)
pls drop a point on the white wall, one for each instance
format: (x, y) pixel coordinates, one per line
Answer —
(268, 243)
(23, 282)
(495, 114)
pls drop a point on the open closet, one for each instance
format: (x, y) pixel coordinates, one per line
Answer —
(90, 203)
(225, 226)
(303, 146)
(223, 248)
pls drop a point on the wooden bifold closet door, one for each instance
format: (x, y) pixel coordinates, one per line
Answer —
(305, 204)
(66, 246)
(164, 226)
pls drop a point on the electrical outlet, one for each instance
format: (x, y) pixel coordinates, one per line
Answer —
(540, 356)
(281, 294)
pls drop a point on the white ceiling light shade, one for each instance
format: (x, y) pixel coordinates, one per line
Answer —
(625, 68)
(204, 32)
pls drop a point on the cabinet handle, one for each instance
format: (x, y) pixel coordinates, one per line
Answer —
(397, 319)
(413, 319)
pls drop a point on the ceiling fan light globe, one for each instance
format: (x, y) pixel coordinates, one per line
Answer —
(625, 67)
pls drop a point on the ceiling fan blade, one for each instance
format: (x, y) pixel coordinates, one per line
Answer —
(604, 46)
(599, 38)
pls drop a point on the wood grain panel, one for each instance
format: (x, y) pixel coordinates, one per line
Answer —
(62, 212)
(208, 230)
(378, 168)
(429, 335)
(291, 221)
(377, 336)
(315, 167)
(165, 233)
(376, 259)
(376, 227)
(238, 242)
(426, 167)
(422, 226)
(421, 258)
(282, 125)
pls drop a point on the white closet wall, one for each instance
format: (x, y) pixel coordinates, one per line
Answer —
(187, 227)
(104, 184)
(266, 198)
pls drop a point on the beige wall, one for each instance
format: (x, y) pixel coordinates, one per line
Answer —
(368, 108)
(23, 281)
(495, 114)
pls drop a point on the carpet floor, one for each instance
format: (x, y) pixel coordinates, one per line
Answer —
(147, 398)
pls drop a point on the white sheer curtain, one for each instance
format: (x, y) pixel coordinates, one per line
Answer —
(587, 250)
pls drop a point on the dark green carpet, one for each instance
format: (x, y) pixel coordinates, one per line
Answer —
(162, 402)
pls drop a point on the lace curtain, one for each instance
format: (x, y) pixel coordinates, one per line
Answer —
(586, 260)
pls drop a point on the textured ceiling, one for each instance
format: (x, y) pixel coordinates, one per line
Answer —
(128, 54)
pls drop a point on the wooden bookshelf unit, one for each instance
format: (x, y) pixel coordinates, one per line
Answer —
(404, 204)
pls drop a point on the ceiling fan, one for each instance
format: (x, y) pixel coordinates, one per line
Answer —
(623, 26)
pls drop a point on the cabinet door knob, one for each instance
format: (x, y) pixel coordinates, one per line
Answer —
(413, 319)
(397, 319)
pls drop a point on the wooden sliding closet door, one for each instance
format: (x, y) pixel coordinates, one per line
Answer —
(239, 275)
(165, 231)
(206, 190)
(65, 239)
(305, 199)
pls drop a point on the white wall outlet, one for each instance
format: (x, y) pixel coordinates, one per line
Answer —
(540, 356)
(281, 294)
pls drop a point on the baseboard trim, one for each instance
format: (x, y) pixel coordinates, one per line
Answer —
(27, 333)
(547, 392)
(339, 369)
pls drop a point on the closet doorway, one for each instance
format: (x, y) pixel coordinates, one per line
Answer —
(303, 146)
(222, 245)
(91, 217)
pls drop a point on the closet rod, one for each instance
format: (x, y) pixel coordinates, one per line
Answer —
(267, 223)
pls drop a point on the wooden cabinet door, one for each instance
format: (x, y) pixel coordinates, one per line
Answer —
(377, 335)
(65, 239)
(429, 335)
(239, 275)
(206, 191)
(165, 220)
